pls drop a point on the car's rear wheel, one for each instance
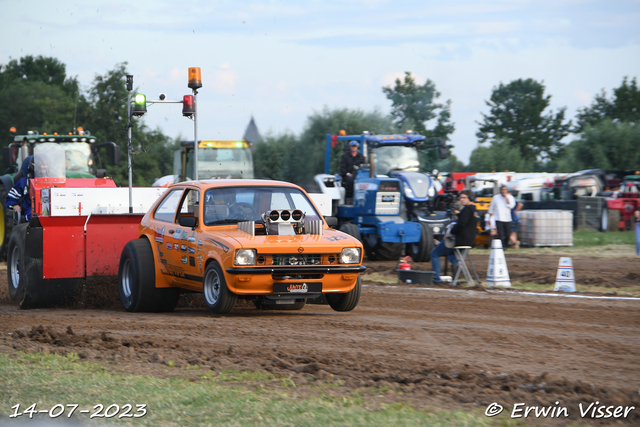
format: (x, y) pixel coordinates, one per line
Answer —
(217, 296)
(347, 301)
(137, 281)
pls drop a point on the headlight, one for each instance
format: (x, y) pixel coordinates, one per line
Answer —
(431, 192)
(245, 257)
(436, 229)
(408, 192)
(350, 256)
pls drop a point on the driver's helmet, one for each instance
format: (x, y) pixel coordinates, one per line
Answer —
(224, 197)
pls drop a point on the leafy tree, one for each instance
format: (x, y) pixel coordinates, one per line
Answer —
(42, 96)
(499, 156)
(609, 145)
(104, 112)
(269, 153)
(624, 106)
(413, 106)
(517, 116)
(40, 69)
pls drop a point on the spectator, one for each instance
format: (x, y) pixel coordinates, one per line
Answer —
(348, 163)
(515, 226)
(464, 230)
(500, 210)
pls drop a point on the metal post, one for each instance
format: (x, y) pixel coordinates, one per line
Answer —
(195, 135)
(129, 143)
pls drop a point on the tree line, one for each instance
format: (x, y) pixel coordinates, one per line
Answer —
(40, 96)
(518, 132)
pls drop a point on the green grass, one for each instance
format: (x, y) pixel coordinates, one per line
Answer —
(49, 379)
(596, 238)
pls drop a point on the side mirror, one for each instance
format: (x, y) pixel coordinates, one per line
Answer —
(188, 221)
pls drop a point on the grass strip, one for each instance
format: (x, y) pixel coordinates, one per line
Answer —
(50, 379)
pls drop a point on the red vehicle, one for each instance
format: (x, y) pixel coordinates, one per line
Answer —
(78, 229)
(626, 201)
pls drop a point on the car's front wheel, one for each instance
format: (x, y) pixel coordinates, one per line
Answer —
(348, 301)
(217, 296)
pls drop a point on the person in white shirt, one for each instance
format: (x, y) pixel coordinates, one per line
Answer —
(500, 211)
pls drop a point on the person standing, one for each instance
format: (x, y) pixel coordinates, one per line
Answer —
(515, 225)
(636, 217)
(348, 163)
(464, 230)
(500, 210)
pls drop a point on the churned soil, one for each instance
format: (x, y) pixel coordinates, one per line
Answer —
(427, 346)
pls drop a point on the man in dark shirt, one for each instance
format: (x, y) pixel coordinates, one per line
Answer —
(464, 231)
(349, 160)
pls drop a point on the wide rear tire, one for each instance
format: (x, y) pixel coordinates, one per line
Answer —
(352, 230)
(137, 281)
(217, 296)
(347, 301)
(16, 277)
(6, 224)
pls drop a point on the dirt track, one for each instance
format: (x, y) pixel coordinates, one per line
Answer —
(431, 347)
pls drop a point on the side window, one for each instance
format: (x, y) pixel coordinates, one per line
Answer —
(166, 210)
(190, 205)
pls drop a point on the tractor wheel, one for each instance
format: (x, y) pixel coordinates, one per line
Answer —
(352, 230)
(348, 301)
(389, 251)
(267, 304)
(217, 296)
(604, 219)
(421, 250)
(137, 281)
(6, 224)
(15, 263)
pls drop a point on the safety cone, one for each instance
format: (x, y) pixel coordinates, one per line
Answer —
(565, 282)
(498, 274)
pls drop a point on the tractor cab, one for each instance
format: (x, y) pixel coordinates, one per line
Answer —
(80, 152)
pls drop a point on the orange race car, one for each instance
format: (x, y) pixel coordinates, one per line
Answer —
(253, 239)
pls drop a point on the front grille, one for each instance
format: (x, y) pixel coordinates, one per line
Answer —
(387, 202)
(296, 276)
(298, 259)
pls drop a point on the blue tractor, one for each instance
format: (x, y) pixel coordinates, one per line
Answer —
(393, 204)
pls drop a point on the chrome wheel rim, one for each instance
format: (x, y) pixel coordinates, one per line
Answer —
(211, 287)
(15, 267)
(126, 279)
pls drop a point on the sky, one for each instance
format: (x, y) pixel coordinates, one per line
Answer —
(281, 61)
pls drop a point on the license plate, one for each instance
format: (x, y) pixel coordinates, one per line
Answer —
(297, 288)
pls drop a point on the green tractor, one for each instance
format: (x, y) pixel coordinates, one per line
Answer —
(81, 151)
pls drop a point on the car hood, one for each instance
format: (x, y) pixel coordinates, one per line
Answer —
(330, 241)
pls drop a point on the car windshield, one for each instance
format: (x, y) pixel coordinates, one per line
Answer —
(230, 205)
